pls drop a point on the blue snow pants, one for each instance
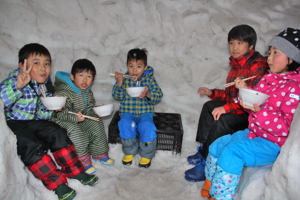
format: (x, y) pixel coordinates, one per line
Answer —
(237, 150)
(227, 157)
(129, 125)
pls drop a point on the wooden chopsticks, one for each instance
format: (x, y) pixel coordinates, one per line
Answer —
(232, 83)
(89, 117)
(43, 91)
(125, 76)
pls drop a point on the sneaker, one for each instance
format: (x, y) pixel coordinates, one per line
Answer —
(127, 159)
(145, 162)
(106, 161)
(197, 173)
(90, 169)
(64, 192)
(194, 159)
(86, 179)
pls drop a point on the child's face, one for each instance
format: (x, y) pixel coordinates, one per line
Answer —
(136, 68)
(41, 67)
(82, 80)
(238, 48)
(278, 61)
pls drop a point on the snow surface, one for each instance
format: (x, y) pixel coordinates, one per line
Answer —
(187, 44)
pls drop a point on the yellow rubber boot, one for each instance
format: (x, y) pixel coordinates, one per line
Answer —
(205, 189)
(145, 162)
(127, 159)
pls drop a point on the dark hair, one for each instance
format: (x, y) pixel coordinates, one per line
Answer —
(293, 66)
(137, 54)
(31, 49)
(243, 33)
(81, 65)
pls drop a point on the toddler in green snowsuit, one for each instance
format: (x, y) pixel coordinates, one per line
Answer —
(88, 136)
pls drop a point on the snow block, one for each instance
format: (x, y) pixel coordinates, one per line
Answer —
(13, 177)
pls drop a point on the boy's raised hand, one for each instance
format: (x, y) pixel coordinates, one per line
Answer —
(204, 91)
(119, 78)
(24, 77)
(239, 83)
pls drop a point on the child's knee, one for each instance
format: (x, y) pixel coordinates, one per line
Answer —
(127, 128)
(147, 131)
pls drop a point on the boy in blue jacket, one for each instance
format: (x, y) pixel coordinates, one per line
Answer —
(136, 113)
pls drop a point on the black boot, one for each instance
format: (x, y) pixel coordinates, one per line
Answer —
(64, 192)
(86, 179)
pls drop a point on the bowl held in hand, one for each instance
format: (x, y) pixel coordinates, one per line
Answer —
(54, 103)
(249, 97)
(104, 110)
(135, 91)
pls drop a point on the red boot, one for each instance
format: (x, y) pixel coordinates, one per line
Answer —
(72, 167)
(205, 189)
(68, 160)
(45, 169)
(53, 179)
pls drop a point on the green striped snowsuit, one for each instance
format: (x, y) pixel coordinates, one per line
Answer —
(87, 136)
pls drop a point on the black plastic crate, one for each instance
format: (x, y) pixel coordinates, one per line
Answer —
(169, 131)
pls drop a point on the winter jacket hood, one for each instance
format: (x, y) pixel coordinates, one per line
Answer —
(65, 79)
(77, 100)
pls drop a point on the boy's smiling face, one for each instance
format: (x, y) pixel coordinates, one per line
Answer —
(136, 68)
(82, 80)
(238, 48)
(41, 67)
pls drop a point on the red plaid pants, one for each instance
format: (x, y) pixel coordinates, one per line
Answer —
(45, 169)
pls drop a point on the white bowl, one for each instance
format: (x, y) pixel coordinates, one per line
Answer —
(104, 110)
(135, 91)
(54, 103)
(249, 97)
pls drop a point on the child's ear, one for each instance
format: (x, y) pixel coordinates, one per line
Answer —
(251, 47)
(71, 77)
(21, 66)
(146, 67)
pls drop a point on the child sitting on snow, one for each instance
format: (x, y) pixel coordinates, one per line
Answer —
(137, 112)
(88, 136)
(28, 119)
(222, 115)
(269, 124)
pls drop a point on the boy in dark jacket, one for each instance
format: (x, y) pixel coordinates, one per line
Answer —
(222, 115)
(28, 119)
